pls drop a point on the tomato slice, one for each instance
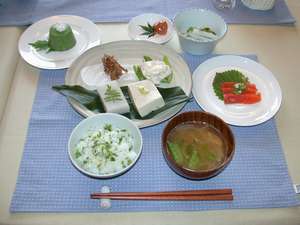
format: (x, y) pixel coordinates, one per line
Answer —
(161, 28)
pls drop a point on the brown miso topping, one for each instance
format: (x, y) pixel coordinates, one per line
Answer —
(112, 67)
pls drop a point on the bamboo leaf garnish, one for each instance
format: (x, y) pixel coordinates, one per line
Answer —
(148, 30)
(91, 100)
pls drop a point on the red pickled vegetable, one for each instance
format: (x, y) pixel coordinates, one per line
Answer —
(244, 98)
(227, 89)
(251, 98)
(249, 85)
(250, 90)
(228, 84)
(230, 98)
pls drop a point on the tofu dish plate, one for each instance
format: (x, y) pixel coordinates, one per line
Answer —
(138, 91)
(142, 88)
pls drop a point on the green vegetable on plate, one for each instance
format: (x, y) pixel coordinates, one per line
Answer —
(139, 73)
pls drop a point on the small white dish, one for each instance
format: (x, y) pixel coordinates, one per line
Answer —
(96, 122)
(135, 31)
(86, 33)
(237, 114)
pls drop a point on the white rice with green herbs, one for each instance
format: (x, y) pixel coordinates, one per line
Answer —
(105, 151)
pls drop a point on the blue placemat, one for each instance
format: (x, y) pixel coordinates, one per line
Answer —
(20, 12)
(48, 182)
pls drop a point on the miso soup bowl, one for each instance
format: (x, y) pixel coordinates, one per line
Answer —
(199, 18)
(206, 118)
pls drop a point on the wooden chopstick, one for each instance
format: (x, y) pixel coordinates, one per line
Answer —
(186, 192)
(191, 195)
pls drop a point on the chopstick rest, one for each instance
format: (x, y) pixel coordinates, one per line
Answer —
(297, 188)
(105, 203)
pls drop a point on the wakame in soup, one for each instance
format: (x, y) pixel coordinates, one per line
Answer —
(196, 146)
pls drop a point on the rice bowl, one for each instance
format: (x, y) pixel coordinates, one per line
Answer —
(105, 145)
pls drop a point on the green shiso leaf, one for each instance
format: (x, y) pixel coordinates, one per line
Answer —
(227, 76)
(91, 100)
(139, 73)
(147, 58)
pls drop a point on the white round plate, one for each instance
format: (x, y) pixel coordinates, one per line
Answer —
(131, 53)
(85, 31)
(237, 114)
(135, 31)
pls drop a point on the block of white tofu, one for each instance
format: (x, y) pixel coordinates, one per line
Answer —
(145, 97)
(113, 103)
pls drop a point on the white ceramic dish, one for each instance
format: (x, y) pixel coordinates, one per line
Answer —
(85, 31)
(237, 114)
(96, 122)
(131, 53)
(135, 31)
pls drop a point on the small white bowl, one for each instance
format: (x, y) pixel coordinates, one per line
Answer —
(135, 31)
(199, 18)
(96, 122)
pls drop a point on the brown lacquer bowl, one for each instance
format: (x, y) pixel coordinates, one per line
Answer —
(203, 117)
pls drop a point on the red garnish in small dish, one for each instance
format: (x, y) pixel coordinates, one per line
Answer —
(160, 28)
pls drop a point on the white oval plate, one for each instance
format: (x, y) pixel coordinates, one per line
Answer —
(85, 31)
(131, 53)
(135, 31)
(237, 114)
